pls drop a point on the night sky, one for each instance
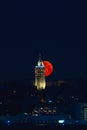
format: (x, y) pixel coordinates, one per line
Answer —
(19, 62)
(39, 8)
(42, 28)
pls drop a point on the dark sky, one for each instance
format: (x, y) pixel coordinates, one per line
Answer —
(52, 29)
(39, 8)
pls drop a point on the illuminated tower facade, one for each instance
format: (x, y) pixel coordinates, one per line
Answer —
(40, 81)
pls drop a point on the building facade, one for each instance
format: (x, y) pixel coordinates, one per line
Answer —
(40, 81)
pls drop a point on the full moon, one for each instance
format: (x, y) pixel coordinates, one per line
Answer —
(48, 67)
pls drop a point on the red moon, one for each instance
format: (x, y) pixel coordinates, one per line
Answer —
(48, 67)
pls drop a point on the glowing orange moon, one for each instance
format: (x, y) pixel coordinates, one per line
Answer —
(48, 67)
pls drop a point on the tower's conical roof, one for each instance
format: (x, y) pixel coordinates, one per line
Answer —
(40, 62)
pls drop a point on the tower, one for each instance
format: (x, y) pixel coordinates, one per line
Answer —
(40, 82)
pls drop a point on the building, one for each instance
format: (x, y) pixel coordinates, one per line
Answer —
(83, 111)
(79, 111)
(40, 81)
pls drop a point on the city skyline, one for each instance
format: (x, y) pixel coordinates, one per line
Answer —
(55, 31)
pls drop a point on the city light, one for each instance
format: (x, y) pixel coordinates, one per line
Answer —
(50, 101)
(8, 122)
(61, 121)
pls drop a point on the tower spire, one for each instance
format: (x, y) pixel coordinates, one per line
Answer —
(40, 57)
(40, 63)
